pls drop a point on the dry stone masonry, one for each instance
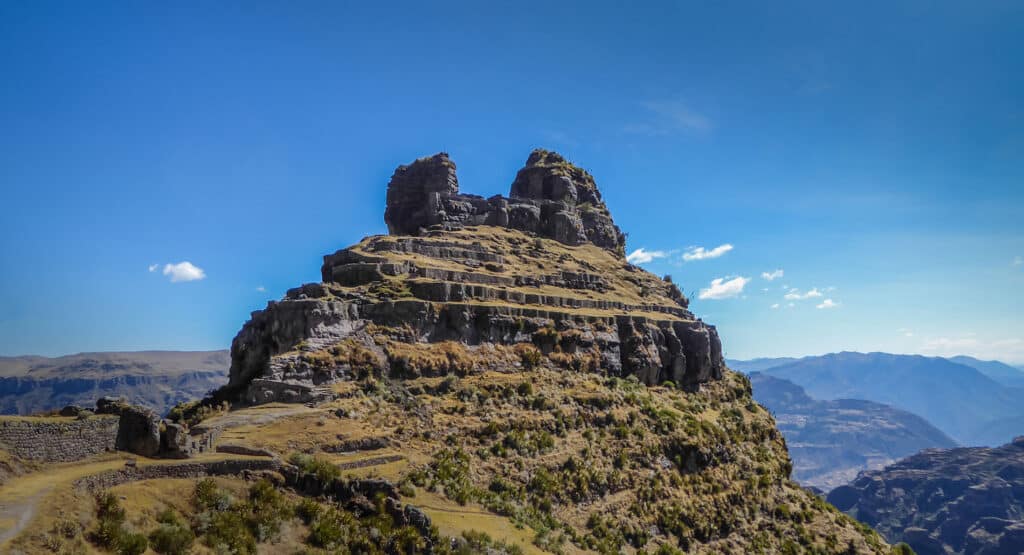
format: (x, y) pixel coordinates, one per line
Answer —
(543, 269)
(58, 439)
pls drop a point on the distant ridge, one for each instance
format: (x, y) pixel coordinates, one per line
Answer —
(154, 379)
(963, 402)
(831, 441)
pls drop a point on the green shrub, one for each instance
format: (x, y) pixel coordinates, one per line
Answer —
(209, 497)
(132, 543)
(230, 532)
(323, 469)
(331, 529)
(172, 539)
(308, 510)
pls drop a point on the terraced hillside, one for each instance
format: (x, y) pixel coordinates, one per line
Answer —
(491, 377)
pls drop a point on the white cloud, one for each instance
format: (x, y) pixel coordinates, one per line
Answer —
(698, 253)
(776, 305)
(771, 276)
(153, 267)
(261, 289)
(907, 332)
(721, 289)
(184, 271)
(796, 295)
(828, 303)
(642, 256)
(1019, 260)
(791, 305)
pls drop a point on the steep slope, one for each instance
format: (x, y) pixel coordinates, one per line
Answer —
(154, 379)
(831, 441)
(968, 406)
(968, 500)
(492, 365)
(529, 300)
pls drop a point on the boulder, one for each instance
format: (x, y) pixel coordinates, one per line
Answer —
(71, 410)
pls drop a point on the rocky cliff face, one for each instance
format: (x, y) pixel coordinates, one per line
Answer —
(945, 501)
(550, 197)
(539, 271)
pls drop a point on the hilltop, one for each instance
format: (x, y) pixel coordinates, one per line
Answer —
(490, 365)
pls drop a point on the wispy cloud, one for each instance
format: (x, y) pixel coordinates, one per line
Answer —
(643, 256)
(153, 267)
(183, 271)
(827, 303)
(776, 305)
(796, 295)
(699, 253)
(1006, 349)
(1018, 260)
(772, 276)
(907, 332)
(670, 116)
(261, 289)
(722, 289)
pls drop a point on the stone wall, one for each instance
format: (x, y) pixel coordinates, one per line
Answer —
(58, 439)
(111, 478)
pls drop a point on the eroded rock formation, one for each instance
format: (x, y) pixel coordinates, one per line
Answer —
(550, 197)
(945, 501)
(464, 283)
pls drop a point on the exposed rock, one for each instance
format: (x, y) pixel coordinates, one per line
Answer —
(550, 197)
(138, 430)
(542, 268)
(945, 501)
(71, 410)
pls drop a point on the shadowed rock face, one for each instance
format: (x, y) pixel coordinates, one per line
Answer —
(549, 197)
(941, 501)
(464, 284)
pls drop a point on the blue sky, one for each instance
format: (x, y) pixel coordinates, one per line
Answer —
(873, 153)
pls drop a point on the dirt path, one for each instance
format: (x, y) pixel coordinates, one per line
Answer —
(21, 497)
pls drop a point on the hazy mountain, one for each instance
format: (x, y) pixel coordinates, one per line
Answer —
(831, 441)
(964, 403)
(998, 371)
(156, 379)
(757, 364)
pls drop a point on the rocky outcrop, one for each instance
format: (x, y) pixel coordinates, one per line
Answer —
(138, 428)
(549, 197)
(945, 501)
(460, 276)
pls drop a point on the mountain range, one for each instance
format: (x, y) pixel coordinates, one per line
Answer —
(154, 379)
(963, 401)
(830, 442)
